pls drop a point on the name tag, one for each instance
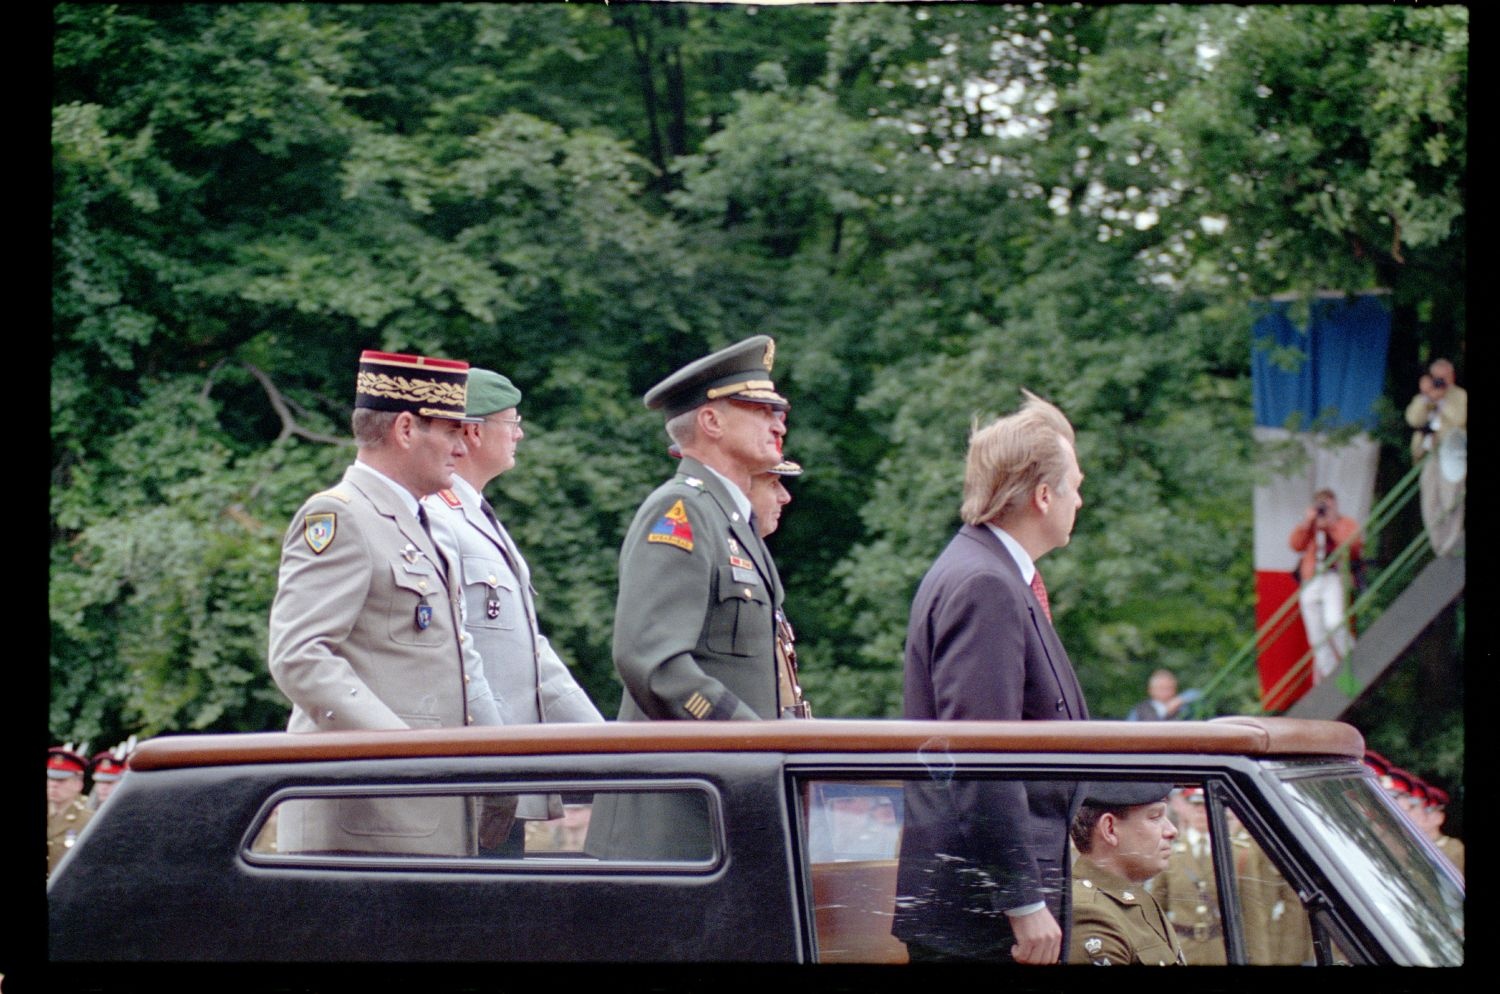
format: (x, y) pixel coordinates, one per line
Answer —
(745, 575)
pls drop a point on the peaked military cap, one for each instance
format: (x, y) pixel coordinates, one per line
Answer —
(107, 767)
(741, 372)
(393, 381)
(784, 468)
(1124, 794)
(64, 764)
(490, 392)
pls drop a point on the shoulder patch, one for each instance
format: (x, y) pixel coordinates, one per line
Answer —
(318, 530)
(335, 492)
(673, 528)
(450, 498)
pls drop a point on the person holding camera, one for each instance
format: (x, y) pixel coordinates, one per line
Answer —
(1322, 599)
(1440, 414)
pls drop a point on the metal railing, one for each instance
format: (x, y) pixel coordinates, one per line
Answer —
(1365, 605)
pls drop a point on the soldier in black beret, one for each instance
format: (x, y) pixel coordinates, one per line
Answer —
(1124, 838)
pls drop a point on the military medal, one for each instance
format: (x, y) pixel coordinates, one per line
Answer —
(424, 616)
(492, 608)
(410, 553)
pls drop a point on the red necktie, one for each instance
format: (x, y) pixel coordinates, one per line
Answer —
(1040, 589)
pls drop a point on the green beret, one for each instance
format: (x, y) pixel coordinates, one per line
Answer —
(739, 372)
(490, 392)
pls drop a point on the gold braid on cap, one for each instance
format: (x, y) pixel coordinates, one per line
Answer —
(734, 388)
(451, 395)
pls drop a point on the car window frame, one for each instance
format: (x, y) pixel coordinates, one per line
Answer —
(536, 865)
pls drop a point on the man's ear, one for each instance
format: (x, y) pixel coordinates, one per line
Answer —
(402, 429)
(710, 421)
(1041, 498)
(1107, 829)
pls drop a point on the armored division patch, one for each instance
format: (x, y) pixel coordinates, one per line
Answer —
(673, 528)
(318, 530)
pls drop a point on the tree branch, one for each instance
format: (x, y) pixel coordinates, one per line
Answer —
(289, 425)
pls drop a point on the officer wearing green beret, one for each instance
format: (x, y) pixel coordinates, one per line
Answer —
(1124, 838)
(66, 811)
(695, 622)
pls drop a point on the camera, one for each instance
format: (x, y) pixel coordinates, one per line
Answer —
(1439, 382)
(1322, 507)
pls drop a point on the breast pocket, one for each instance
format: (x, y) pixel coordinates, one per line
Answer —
(418, 604)
(490, 595)
(739, 619)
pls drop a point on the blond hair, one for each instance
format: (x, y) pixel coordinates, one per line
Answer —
(1011, 456)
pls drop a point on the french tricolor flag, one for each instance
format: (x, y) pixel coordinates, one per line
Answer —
(1316, 389)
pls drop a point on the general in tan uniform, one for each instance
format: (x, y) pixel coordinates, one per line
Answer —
(366, 624)
(67, 813)
(1124, 838)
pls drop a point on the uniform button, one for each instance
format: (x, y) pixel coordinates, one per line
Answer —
(421, 584)
(466, 678)
(1127, 895)
(353, 691)
(328, 714)
(469, 720)
(1059, 704)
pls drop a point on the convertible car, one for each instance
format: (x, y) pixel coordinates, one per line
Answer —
(702, 842)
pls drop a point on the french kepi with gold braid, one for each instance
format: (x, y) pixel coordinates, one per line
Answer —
(740, 372)
(433, 388)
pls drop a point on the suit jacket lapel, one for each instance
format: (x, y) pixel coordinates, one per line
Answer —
(1057, 656)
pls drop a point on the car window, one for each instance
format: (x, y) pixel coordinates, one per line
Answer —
(1412, 893)
(1273, 920)
(561, 828)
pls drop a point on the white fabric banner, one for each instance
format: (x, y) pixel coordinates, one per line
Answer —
(1348, 470)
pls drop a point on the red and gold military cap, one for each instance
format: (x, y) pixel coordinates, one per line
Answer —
(433, 388)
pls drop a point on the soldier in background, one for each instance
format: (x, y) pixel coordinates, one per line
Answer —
(105, 770)
(1433, 817)
(768, 495)
(66, 811)
(1187, 889)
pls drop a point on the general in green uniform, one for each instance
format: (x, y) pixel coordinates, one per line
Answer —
(1124, 838)
(695, 621)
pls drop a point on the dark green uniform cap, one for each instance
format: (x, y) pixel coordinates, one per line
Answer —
(740, 372)
(490, 392)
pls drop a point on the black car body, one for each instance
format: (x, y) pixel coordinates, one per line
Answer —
(769, 841)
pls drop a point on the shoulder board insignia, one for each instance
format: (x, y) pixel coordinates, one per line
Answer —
(673, 528)
(450, 498)
(318, 530)
(693, 481)
(334, 492)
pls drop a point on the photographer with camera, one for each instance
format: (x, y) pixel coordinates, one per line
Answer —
(1322, 597)
(1440, 414)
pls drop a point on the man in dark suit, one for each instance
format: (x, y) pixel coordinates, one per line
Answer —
(984, 864)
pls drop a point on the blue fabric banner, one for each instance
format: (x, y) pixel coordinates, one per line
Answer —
(1341, 371)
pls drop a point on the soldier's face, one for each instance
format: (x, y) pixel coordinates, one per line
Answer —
(502, 433)
(751, 434)
(62, 791)
(436, 446)
(768, 495)
(1145, 840)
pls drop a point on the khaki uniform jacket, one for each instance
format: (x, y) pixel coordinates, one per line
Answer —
(1116, 922)
(1453, 849)
(1188, 893)
(63, 829)
(348, 648)
(530, 684)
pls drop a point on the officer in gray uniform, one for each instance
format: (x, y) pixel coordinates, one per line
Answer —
(1124, 838)
(528, 681)
(365, 627)
(695, 622)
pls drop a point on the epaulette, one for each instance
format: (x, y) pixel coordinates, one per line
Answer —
(334, 492)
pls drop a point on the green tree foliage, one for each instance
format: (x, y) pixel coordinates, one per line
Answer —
(929, 206)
